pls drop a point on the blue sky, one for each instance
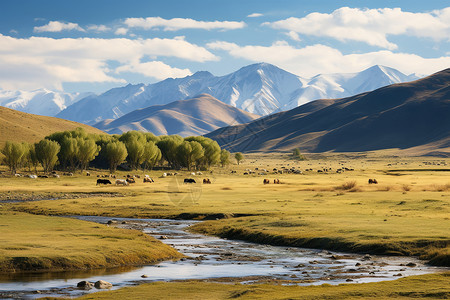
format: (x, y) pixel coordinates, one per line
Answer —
(96, 45)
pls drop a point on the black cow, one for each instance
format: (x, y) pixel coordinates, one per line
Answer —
(189, 180)
(103, 181)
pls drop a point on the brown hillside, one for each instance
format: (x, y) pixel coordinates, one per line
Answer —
(22, 127)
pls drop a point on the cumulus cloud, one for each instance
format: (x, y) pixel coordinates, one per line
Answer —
(56, 26)
(99, 28)
(154, 69)
(121, 31)
(255, 15)
(38, 62)
(312, 60)
(180, 23)
(371, 26)
(293, 35)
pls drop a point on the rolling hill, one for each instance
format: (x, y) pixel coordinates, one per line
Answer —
(412, 115)
(23, 127)
(196, 116)
(259, 88)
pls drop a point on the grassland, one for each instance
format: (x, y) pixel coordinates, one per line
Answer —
(42, 243)
(435, 286)
(406, 213)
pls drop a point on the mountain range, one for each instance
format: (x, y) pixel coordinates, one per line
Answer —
(196, 116)
(40, 102)
(404, 115)
(259, 88)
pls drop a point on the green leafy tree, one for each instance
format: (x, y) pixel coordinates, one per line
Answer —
(47, 154)
(189, 153)
(239, 157)
(297, 154)
(212, 153)
(135, 149)
(152, 155)
(14, 154)
(116, 153)
(168, 146)
(87, 150)
(224, 157)
(69, 152)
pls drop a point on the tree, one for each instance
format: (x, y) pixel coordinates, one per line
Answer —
(152, 155)
(135, 149)
(47, 154)
(86, 152)
(212, 153)
(68, 153)
(189, 153)
(224, 157)
(14, 154)
(168, 146)
(116, 153)
(297, 154)
(239, 157)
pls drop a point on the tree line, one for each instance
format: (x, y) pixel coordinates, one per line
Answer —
(77, 150)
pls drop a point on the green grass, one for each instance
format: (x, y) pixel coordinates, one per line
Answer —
(436, 286)
(41, 243)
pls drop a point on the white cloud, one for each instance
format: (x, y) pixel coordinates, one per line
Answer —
(293, 35)
(255, 15)
(56, 26)
(371, 26)
(312, 60)
(99, 28)
(180, 23)
(154, 69)
(38, 62)
(121, 31)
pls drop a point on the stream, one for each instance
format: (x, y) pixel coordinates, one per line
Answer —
(216, 259)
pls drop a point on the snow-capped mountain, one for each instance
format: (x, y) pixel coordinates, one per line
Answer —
(39, 102)
(259, 88)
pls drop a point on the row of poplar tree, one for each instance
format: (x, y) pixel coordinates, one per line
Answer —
(77, 150)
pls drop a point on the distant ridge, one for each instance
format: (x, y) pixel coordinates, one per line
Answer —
(22, 127)
(258, 88)
(406, 115)
(196, 116)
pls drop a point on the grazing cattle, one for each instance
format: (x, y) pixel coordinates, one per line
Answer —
(189, 180)
(276, 181)
(131, 180)
(55, 175)
(43, 176)
(32, 176)
(103, 181)
(206, 181)
(245, 173)
(148, 179)
(374, 181)
(137, 176)
(266, 181)
(68, 174)
(88, 174)
(121, 182)
(18, 175)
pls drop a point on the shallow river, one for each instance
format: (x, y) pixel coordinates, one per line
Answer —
(218, 259)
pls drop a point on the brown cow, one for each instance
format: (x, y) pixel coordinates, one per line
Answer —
(266, 181)
(131, 180)
(374, 181)
(206, 181)
(276, 181)
(148, 179)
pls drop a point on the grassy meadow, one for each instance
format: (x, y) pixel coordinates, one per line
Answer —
(406, 213)
(42, 243)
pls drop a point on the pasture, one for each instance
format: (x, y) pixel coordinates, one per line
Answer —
(406, 213)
